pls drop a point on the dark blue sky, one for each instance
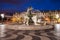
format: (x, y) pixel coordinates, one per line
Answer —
(21, 5)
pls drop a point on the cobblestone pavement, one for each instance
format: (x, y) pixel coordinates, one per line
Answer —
(29, 35)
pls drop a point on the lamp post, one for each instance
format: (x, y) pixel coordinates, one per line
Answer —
(2, 16)
(2, 27)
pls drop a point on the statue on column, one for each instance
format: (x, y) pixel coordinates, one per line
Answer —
(29, 14)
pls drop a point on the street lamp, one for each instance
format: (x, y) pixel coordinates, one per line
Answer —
(2, 16)
(2, 27)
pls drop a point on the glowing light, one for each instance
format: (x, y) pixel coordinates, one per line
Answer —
(57, 15)
(59, 20)
(2, 15)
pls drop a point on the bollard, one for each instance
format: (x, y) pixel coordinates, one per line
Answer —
(57, 29)
(2, 30)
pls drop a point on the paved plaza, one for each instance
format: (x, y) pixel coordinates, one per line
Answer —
(30, 35)
(13, 34)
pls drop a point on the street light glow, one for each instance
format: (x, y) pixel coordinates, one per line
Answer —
(57, 16)
(2, 15)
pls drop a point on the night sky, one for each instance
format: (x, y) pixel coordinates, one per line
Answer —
(22, 5)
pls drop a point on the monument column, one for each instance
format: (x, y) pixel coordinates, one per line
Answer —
(30, 21)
